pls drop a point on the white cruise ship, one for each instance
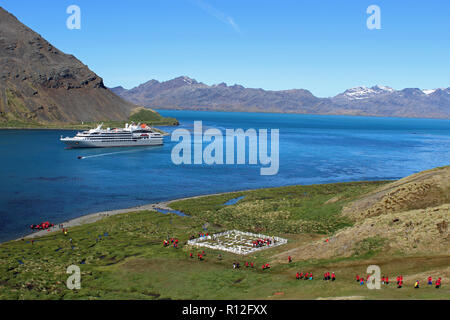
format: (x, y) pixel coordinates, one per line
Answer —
(130, 136)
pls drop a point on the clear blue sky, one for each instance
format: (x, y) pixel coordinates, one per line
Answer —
(323, 46)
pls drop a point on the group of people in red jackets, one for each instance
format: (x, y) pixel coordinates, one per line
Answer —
(360, 280)
(305, 276)
(42, 226)
(385, 280)
(247, 264)
(327, 276)
(437, 283)
(261, 243)
(265, 266)
(173, 242)
(200, 255)
(309, 275)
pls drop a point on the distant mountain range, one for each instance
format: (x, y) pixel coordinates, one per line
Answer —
(184, 93)
(41, 84)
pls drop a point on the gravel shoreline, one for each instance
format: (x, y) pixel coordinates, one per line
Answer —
(94, 217)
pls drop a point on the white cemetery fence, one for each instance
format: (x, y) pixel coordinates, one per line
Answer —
(235, 241)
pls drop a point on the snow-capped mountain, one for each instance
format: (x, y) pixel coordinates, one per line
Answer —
(440, 90)
(429, 91)
(188, 94)
(359, 93)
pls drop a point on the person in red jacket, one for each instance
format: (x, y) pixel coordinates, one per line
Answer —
(387, 279)
(333, 277)
(306, 276)
(290, 259)
(398, 280)
(438, 283)
(191, 255)
(430, 280)
(357, 278)
(297, 276)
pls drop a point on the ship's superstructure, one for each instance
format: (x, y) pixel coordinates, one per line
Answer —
(130, 136)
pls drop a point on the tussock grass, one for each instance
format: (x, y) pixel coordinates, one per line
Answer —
(130, 262)
(296, 209)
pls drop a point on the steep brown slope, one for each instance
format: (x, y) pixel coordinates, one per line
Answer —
(408, 216)
(419, 191)
(422, 231)
(39, 83)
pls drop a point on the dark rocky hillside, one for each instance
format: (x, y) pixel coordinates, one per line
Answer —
(41, 84)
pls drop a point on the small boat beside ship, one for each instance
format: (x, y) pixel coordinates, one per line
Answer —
(131, 136)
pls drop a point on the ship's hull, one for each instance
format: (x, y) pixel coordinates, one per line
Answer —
(78, 143)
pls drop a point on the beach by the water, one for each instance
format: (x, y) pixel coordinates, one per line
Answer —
(42, 181)
(94, 217)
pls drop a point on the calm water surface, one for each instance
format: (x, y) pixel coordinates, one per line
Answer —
(41, 180)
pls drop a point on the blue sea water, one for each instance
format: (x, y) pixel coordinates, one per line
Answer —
(232, 202)
(165, 211)
(40, 180)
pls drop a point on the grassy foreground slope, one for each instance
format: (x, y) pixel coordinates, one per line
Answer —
(123, 257)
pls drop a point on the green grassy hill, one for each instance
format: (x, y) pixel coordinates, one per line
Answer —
(139, 114)
(122, 257)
